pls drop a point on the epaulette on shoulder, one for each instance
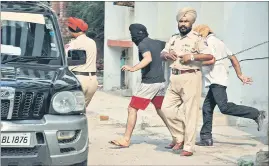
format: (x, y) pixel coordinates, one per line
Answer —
(175, 34)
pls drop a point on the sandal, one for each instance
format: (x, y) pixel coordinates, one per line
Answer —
(120, 143)
(170, 146)
(178, 146)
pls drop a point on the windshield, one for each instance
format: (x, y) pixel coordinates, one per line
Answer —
(26, 35)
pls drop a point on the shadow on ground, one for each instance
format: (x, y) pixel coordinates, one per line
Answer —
(146, 138)
(260, 136)
(235, 143)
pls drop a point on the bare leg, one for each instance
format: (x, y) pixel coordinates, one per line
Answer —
(131, 121)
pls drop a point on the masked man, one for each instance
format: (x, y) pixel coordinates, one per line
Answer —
(153, 83)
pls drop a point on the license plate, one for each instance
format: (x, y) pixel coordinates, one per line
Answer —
(15, 139)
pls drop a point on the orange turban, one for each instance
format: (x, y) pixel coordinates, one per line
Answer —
(203, 30)
(76, 23)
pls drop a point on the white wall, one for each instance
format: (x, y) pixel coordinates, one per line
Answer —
(248, 26)
(117, 20)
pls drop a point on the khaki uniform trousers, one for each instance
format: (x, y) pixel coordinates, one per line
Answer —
(89, 86)
(181, 106)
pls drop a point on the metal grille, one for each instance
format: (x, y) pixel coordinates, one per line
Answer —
(38, 105)
(4, 108)
(19, 151)
(17, 104)
(27, 105)
(66, 150)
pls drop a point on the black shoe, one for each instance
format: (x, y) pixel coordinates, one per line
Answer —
(205, 142)
(259, 120)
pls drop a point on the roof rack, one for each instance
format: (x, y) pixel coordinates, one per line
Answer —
(26, 6)
(25, 2)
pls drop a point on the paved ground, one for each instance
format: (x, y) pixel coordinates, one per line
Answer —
(150, 137)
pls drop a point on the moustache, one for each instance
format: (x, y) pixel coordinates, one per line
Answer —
(183, 27)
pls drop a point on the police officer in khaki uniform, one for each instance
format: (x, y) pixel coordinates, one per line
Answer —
(186, 52)
(86, 73)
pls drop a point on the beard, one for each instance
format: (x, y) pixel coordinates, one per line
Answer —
(184, 30)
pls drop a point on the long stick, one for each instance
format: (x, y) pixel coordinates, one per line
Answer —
(245, 50)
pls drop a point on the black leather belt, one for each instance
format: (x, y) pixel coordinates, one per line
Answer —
(177, 72)
(84, 73)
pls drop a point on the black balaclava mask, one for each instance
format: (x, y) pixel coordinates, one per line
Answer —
(138, 32)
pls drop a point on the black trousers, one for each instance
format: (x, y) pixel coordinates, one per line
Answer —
(217, 96)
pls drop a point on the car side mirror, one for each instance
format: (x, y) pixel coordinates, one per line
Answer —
(76, 57)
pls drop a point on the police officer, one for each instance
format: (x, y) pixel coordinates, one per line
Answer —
(186, 52)
(85, 73)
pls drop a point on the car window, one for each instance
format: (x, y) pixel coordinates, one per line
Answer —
(26, 34)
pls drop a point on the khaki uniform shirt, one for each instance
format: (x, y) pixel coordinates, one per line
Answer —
(192, 43)
(84, 43)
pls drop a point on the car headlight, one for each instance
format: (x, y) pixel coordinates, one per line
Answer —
(66, 101)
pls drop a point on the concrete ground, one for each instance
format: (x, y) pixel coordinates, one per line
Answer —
(150, 137)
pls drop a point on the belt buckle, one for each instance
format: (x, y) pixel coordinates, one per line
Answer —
(173, 71)
(176, 71)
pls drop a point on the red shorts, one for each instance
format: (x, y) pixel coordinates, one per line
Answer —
(147, 93)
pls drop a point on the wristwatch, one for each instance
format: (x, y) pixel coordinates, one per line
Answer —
(192, 57)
